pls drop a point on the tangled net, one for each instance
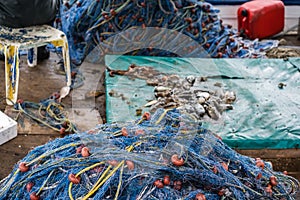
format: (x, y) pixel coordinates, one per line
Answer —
(166, 156)
(103, 24)
(48, 112)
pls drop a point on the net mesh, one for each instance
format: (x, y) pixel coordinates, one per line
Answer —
(100, 27)
(166, 156)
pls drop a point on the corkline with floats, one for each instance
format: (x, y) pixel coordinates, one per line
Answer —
(174, 158)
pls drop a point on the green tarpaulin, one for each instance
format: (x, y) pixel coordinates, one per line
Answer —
(264, 116)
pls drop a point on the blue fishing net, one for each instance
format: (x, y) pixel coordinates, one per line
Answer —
(48, 112)
(187, 28)
(164, 156)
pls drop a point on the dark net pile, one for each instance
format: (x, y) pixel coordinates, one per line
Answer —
(187, 28)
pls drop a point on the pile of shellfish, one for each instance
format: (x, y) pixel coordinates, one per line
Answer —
(201, 97)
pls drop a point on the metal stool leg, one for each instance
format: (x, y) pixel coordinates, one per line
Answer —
(32, 57)
(66, 57)
(65, 51)
(11, 73)
(63, 42)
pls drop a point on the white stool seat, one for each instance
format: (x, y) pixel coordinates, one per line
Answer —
(14, 39)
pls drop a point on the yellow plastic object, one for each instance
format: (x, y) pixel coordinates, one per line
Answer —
(14, 39)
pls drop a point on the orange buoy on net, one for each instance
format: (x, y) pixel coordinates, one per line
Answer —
(273, 180)
(260, 164)
(23, 167)
(130, 164)
(85, 152)
(29, 186)
(72, 178)
(177, 185)
(113, 162)
(176, 161)
(158, 183)
(34, 196)
(146, 116)
(124, 132)
(167, 180)
(200, 196)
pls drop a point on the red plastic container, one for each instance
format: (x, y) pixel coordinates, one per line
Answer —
(261, 18)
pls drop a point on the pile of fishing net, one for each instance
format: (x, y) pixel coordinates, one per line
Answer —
(186, 28)
(164, 156)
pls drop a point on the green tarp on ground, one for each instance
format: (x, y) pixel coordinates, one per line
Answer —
(264, 116)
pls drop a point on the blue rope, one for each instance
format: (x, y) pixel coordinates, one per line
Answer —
(48, 113)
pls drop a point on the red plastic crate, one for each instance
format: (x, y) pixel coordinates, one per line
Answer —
(261, 18)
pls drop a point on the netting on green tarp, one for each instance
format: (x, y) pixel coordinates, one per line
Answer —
(164, 156)
(264, 114)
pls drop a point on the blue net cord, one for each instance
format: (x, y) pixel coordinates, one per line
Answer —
(47, 113)
(90, 23)
(162, 162)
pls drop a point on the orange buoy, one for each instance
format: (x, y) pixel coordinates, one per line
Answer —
(130, 164)
(221, 192)
(268, 189)
(260, 164)
(176, 161)
(113, 162)
(273, 180)
(158, 183)
(259, 175)
(215, 169)
(146, 116)
(72, 178)
(225, 166)
(34, 196)
(78, 149)
(29, 186)
(139, 132)
(124, 132)
(167, 180)
(85, 152)
(177, 185)
(200, 196)
(23, 167)
(62, 130)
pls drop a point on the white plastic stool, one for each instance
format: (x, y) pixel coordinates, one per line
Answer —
(14, 39)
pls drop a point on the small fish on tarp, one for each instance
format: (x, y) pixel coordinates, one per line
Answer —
(93, 94)
(134, 71)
